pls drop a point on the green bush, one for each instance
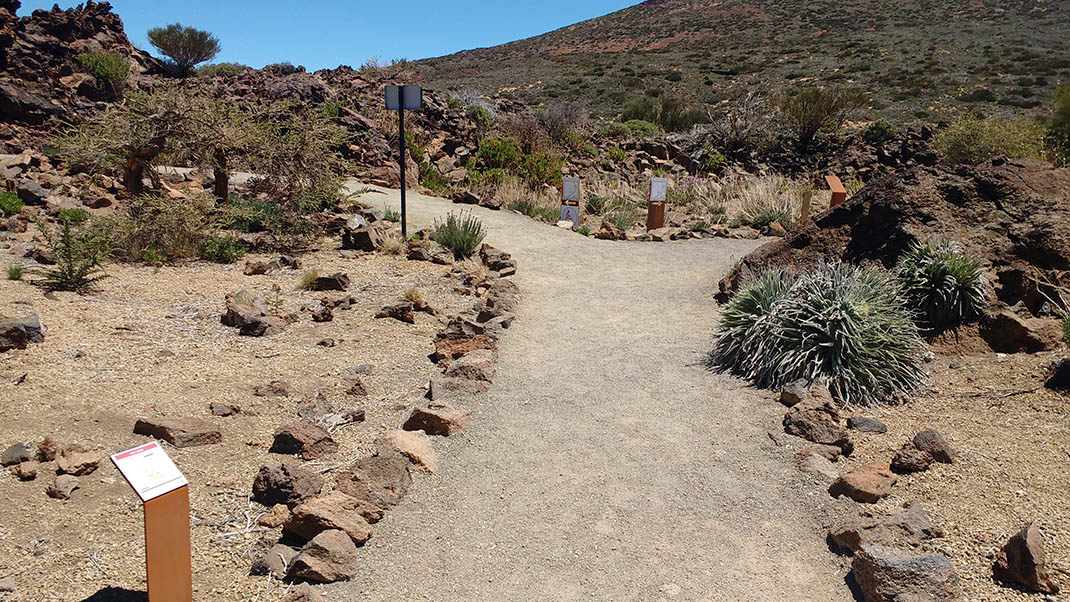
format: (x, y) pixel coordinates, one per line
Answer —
(624, 218)
(808, 111)
(636, 128)
(108, 68)
(845, 326)
(14, 272)
(500, 153)
(761, 213)
(74, 215)
(617, 154)
(10, 203)
(584, 230)
(461, 233)
(220, 248)
(77, 250)
(878, 132)
(715, 162)
(391, 215)
(541, 169)
(160, 225)
(943, 285)
(971, 140)
(1066, 330)
(672, 114)
(249, 215)
(595, 205)
(185, 46)
(221, 70)
(483, 117)
(1059, 130)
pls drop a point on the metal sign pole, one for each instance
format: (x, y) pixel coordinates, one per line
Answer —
(401, 158)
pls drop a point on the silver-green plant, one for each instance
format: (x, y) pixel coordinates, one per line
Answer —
(846, 326)
(461, 233)
(944, 285)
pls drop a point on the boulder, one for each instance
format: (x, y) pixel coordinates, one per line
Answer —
(275, 562)
(285, 483)
(334, 282)
(362, 238)
(867, 484)
(25, 471)
(1058, 378)
(78, 463)
(263, 326)
(794, 393)
(931, 441)
(305, 439)
(275, 517)
(414, 445)
(403, 312)
(223, 409)
(335, 510)
(910, 459)
(63, 486)
(276, 388)
(437, 419)
(382, 480)
(259, 268)
(865, 424)
(180, 432)
(1022, 562)
(330, 556)
(16, 454)
(357, 389)
(474, 365)
(18, 333)
(889, 575)
(908, 527)
(1007, 331)
(818, 420)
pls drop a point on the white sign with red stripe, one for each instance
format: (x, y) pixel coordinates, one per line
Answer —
(149, 470)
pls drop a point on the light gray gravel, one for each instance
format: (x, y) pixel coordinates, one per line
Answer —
(605, 463)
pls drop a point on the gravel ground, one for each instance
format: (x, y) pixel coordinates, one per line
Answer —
(606, 463)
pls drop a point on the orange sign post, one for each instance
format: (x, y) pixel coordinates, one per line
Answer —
(165, 493)
(839, 193)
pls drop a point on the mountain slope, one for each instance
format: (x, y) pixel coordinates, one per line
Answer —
(916, 57)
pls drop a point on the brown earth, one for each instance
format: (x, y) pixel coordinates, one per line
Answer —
(149, 343)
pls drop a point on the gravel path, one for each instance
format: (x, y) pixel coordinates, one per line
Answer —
(605, 463)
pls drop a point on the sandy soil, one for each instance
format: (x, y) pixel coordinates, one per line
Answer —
(149, 343)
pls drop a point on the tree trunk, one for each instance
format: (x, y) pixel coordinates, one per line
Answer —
(222, 177)
(133, 175)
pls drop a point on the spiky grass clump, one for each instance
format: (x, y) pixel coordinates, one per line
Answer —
(842, 325)
(461, 233)
(944, 286)
(1066, 330)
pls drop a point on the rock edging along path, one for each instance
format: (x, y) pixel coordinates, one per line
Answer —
(605, 463)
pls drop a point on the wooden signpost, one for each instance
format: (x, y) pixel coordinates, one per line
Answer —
(400, 98)
(165, 494)
(655, 208)
(839, 193)
(570, 201)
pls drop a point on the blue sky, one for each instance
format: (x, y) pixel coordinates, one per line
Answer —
(327, 33)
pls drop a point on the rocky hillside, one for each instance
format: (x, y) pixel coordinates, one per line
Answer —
(916, 58)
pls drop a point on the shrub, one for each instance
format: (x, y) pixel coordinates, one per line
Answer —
(185, 46)
(846, 326)
(715, 162)
(584, 230)
(623, 219)
(411, 294)
(595, 205)
(562, 119)
(970, 140)
(461, 233)
(483, 118)
(672, 114)
(1059, 130)
(221, 70)
(14, 272)
(78, 251)
(760, 212)
(10, 203)
(1066, 330)
(74, 215)
(220, 248)
(500, 153)
(617, 154)
(808, 111)
(159, 225)
(308, 280)
(744, 126)
(541, 169)
(108, 68)
(879, 132)
(391, 215)
(635, 128)
(943, 285)
(249, 215)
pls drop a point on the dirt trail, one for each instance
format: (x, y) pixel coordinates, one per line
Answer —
(605, 463)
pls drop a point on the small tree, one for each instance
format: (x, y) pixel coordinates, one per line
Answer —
(185, 46)
(808, 111)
